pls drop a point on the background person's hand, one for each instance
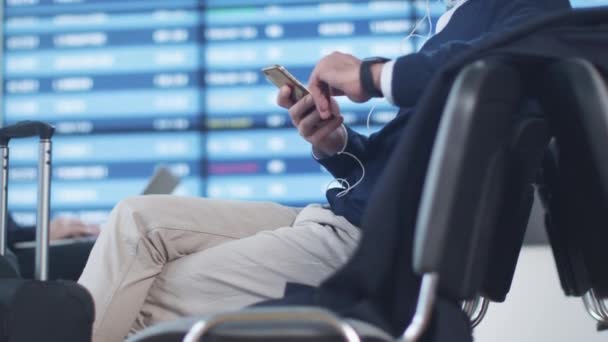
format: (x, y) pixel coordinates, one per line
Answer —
(68, 227)
(325, 135)
(335, 75)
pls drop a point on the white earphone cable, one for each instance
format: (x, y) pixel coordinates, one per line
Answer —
(342, 181)
(428, 19)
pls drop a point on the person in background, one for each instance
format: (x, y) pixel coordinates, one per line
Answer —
(61, 228)
(66, 263)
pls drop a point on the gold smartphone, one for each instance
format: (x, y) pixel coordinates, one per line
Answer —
(279, 76)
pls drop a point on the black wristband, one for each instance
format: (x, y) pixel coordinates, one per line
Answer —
(366, 78)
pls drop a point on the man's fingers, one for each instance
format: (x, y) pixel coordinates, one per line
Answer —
(337, 92)
(301, 109)
(327, 94)
(320, 94)
(334, 109)
(309, 123)
(297, 118)
(284, 97)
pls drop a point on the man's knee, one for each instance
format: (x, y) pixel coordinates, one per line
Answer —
(128, 218)
(135, 204)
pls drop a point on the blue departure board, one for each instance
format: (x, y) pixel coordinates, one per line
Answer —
(130, 85)
(588, 3)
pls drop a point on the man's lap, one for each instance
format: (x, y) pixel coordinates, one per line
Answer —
(242, 272)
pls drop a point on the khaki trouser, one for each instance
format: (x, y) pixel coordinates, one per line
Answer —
(162, 257)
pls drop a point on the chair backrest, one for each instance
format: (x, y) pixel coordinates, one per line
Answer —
(479, 181)
(575, 182)
(529, 138)
(464, 186)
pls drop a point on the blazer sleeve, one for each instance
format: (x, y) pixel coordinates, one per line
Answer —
(412, 73)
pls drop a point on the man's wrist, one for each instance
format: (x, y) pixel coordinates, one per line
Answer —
(340, 146)
(386, 81)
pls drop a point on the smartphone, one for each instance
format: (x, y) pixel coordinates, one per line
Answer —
(279, 76)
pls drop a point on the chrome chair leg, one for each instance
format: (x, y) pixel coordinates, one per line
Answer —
(595, 307)
(424, 308)
(470, 306)
(603, 308)
(476, 309)
(590, 307)
(481, 313)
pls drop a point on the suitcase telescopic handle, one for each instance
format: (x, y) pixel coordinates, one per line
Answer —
(24, 129)
(45, 132)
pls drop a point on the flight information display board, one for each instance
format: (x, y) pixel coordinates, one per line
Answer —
(130, 85)
(588, 3)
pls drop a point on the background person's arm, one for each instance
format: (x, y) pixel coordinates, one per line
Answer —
(68, 227)
(60, 228)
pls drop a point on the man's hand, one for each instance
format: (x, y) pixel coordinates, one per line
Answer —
(325, 135)
(338, 74)
(67, 227)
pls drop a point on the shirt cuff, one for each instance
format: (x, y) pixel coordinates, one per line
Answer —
(386, 81)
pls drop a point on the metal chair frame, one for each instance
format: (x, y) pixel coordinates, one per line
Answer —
(200, 328)
(596, 307)
(476, 309)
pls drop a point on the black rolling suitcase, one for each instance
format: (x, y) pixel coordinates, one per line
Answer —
(38, 310)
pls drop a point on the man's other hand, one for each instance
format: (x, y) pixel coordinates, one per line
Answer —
(325, 135)
(69, 227)
(335, 75)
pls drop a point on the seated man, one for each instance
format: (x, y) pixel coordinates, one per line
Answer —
(162, 257)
